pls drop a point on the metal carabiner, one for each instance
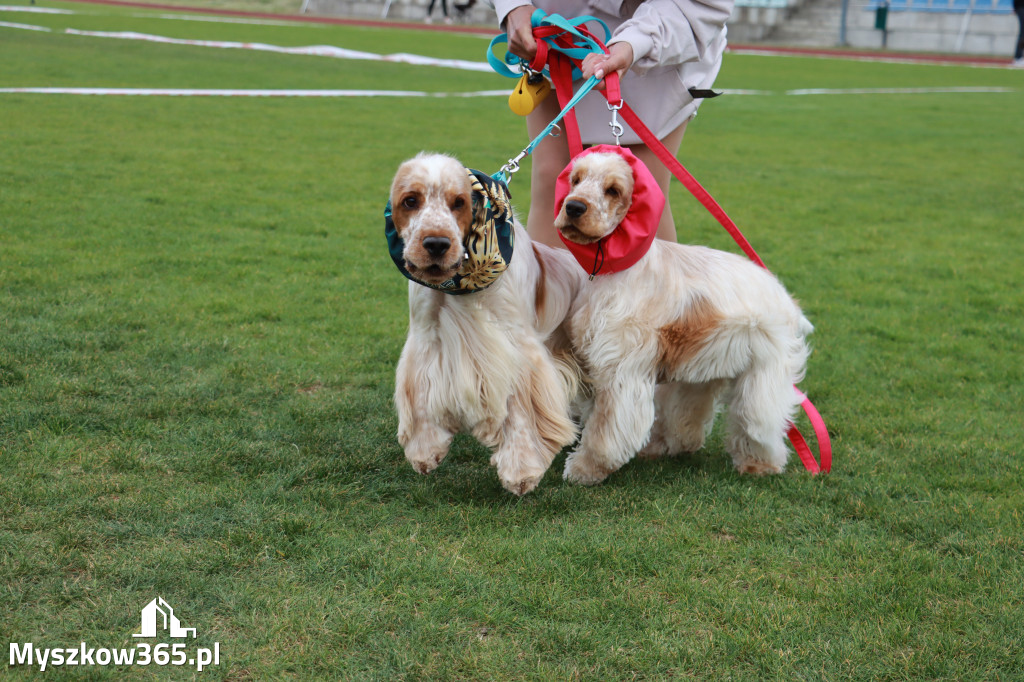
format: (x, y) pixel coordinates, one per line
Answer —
(513, 165)
(616, 126)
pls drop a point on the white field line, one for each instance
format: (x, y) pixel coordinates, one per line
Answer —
(880, 59)
(760, 93)
(24, 27)
(896, 91)
(34, 10)
(309, 50)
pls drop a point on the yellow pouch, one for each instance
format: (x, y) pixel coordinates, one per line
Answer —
(530, 91)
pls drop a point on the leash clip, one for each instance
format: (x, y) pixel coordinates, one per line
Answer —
(513, 165)
(616, 126)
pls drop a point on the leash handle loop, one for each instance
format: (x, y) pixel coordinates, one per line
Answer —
(552, 32)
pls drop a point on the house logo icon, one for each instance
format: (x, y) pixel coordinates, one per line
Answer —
(158, 614)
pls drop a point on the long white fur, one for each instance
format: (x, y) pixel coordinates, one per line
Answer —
(483, 363)
(742, 343)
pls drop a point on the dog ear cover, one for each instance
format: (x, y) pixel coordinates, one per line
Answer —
(628, 243)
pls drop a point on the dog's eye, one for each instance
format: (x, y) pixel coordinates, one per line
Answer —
(410, 202)
(612, 192)
(458, 203)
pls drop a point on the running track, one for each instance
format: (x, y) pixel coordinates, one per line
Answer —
(878, 55)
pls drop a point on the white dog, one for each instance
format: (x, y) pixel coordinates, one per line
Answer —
(479, 359)
(706, 325)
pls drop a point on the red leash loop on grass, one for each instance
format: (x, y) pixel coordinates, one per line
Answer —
(560, 67)
(820, 432)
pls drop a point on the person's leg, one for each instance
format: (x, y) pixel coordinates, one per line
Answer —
(667, 227)
(549, 158)
(1019, 53)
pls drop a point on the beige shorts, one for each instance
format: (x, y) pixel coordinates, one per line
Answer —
(660, 96)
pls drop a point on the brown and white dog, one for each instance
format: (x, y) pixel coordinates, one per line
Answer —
(665, 341)
(481, 362)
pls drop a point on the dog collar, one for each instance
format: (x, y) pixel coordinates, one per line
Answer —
(488, 245)
(632, 239)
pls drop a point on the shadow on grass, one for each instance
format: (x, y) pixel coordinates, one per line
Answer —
(349, 448)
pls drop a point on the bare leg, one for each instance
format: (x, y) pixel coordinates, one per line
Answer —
(549, 158)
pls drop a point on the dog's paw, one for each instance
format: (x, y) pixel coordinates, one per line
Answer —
(580, 470)
(755, 467)
(520, 477)
(521, 486)
(425, 460)
(655, 448)
(425, 448)
(425, 466)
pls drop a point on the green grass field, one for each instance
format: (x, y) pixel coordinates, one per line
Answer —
(199, 325)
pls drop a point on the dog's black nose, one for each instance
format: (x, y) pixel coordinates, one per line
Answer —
(574, 209)
(436, 246)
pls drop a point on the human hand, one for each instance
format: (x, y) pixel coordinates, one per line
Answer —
(520, 32)
(618, 59)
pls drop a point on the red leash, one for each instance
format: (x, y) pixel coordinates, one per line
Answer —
(560, 67)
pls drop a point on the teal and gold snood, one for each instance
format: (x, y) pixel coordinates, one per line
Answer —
(488, 245)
